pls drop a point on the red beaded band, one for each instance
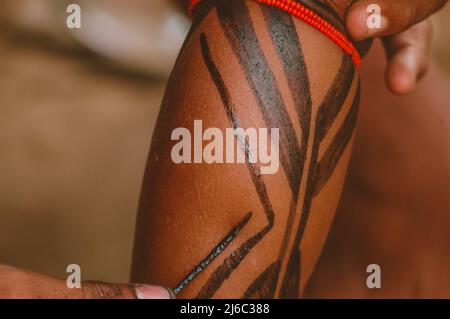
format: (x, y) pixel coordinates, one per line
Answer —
(310, 17)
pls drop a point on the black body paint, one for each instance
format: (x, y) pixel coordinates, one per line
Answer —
(328, 163)
(235, 20)
(235, 258)
(265, 284)
(284, 37)
(335, 98)
(214, 253)
(236, 23)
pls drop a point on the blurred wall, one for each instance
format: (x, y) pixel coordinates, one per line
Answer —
(74, 136)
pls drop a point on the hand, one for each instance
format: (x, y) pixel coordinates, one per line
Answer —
(406, 33)
(21, 284)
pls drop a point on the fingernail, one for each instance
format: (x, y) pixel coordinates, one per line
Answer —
(153, 292)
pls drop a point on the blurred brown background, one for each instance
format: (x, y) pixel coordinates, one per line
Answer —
(75, 128)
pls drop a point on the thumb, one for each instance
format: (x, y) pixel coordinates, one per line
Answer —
(23, 284)
(102, 290)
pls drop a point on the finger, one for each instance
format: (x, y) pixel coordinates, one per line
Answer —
(101, 290)
(17, 283)
(408, 54)
(396, 16)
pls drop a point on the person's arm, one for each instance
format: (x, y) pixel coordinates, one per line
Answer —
(229, 230)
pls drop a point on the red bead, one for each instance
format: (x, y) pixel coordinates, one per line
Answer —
(311, 18)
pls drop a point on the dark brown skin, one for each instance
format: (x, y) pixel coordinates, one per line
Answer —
(406, 38)
(245, 65)
(395, 205)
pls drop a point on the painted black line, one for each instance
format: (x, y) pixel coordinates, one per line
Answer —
(333, 153)
(236, 23)
(221, 273)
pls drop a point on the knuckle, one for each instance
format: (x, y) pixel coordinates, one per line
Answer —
(101, 290)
